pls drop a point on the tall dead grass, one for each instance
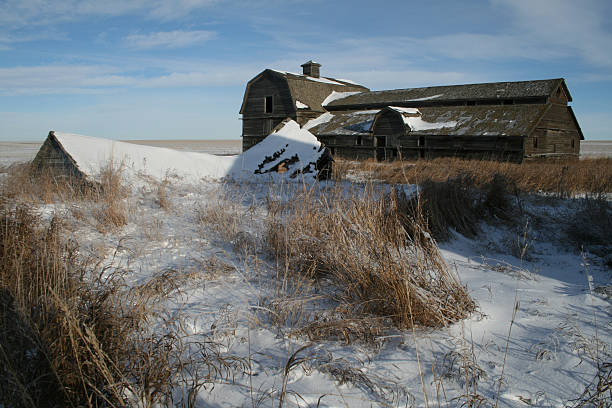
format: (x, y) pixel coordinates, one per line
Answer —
(564, 178)
(358, 243)
(71, 333)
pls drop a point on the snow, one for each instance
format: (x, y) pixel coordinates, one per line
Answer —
(427, 98)
(324, 118)
(320, 79)
(414, 111)
(290, 142)
(543, 362)
(301, 105)
(544, 358)
(334, 95)
(416, 124)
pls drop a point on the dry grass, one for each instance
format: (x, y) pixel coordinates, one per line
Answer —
(562, 178)
(74, 335)
(359, 243)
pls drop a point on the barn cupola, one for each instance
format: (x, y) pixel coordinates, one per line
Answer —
(311, 68)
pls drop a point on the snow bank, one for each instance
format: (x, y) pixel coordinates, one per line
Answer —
(284, 154)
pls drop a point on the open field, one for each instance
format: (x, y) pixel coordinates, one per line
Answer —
(11, 152)
(345, 293)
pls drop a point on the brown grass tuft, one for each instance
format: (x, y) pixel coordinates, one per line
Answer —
(564, 178)
(359, 243)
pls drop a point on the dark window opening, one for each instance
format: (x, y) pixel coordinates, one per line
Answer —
(471, 103)
(573, 143)
(381, 141)
(269, 108)
(558, 91)
(421, 140)
(359, 141)
(508, 101)
(535, 142)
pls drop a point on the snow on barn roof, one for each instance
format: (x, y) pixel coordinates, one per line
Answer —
(287, 153)
(483, 91)
(342, 123)
(510, 120)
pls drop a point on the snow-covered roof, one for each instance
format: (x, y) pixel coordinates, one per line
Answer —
(342, 123)
(508, 120)
(288, 152)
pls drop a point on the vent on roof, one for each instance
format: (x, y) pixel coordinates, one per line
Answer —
(311, 68)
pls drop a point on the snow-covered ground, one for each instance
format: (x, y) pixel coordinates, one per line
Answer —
(542, 323)
(543, 355)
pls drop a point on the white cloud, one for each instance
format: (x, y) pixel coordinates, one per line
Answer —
(566, 27)
(19, 13)
(169, 39)
(79, 79)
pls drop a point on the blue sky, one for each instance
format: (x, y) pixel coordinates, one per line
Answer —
(161, 69)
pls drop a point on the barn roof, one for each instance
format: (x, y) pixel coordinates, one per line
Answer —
(509, 120)
(343, 123)
(441, 94)
(308, 90)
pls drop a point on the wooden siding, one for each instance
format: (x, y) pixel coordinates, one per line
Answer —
(389, 124)
(554, 134)
(52, 159)
(256, 123)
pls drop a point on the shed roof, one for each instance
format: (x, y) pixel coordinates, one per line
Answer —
(509, 120)
(344, 123)
(308, 90)
(484, 91)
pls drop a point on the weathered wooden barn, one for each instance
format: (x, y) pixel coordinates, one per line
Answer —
(503, 120)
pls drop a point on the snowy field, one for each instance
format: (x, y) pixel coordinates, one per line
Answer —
(543, 322)
(11, 152)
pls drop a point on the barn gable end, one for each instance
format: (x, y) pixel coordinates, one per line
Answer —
(273, 95)
(52, 158)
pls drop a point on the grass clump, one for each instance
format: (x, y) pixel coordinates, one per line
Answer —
(359, 244)
(562, 178)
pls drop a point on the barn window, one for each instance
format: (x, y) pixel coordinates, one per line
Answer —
(269, 104)
(359, 141)
(535, 142)
(573, 143)
(421, 140)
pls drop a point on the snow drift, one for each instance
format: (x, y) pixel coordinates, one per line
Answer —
(288, 153)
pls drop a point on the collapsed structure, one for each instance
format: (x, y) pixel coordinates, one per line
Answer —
(503, 120)
(289, 153)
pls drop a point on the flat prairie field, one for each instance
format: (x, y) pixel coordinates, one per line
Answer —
(12, 152)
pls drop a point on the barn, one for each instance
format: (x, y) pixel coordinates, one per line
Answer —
(513, 121)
